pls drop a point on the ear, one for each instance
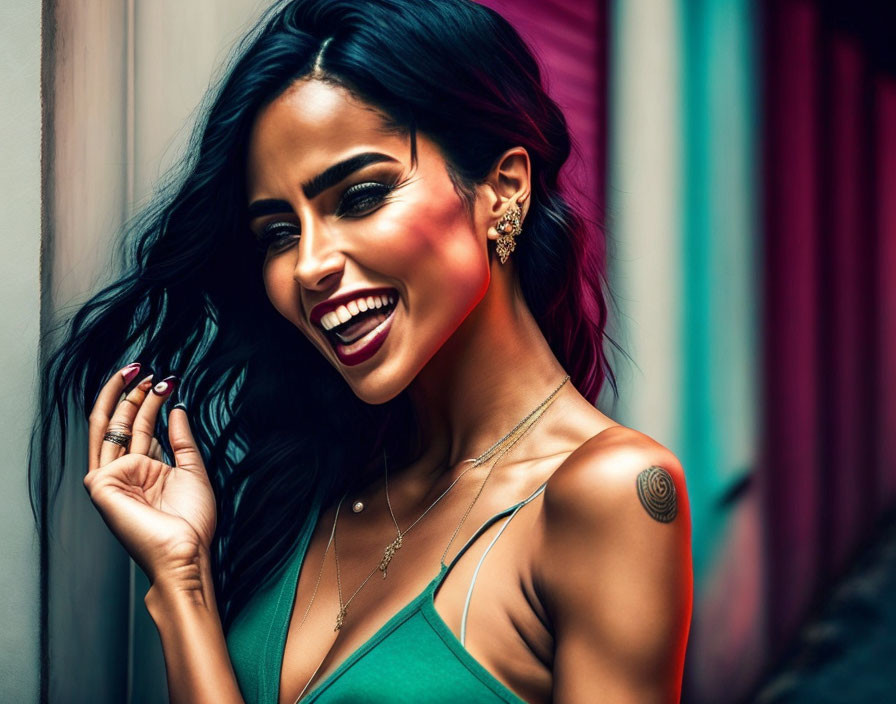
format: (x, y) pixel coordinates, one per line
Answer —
(508, 184)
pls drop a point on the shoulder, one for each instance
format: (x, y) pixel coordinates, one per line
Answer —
(620, 473)
(612, 562)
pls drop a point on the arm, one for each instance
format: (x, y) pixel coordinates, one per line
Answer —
(614, 569)
(164, 516)
(182, 604)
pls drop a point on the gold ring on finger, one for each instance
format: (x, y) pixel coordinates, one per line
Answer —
(122, 439)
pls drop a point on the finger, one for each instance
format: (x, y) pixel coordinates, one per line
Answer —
(122, 422)
(183, 444)
(102, 410)
(145, 420)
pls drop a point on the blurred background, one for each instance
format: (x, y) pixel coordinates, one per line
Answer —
(741, 160)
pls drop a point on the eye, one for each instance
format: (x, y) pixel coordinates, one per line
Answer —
(277, 236)
(363, 197)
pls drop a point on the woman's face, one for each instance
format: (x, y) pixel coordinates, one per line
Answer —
(376, 262)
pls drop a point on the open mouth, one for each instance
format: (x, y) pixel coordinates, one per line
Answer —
(363, 321)
(362, 334)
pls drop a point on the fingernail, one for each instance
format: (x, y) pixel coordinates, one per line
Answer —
(165, 386)
(130, 371)
(181, 405)
(146, 383)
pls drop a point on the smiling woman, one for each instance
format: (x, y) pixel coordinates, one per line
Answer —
(372, 293)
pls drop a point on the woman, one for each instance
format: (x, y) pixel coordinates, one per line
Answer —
(387, 326)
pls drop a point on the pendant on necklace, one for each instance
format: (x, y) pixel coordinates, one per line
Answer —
(389, 554)
(340, 619)
(358, 506)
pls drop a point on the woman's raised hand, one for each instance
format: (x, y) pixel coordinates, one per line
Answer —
(163, 515)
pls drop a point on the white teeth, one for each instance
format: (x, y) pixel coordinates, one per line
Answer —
(343, 314)
(346, 312)
(329, 321)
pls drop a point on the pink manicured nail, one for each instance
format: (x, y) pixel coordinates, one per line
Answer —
(165, 386)
(130, 371)
(146, 383)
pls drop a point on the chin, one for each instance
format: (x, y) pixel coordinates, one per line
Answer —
(386, 378)
(376, 391)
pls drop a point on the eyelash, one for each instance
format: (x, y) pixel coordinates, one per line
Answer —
(370, 192)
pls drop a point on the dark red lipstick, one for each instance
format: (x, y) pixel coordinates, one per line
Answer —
(370, 343)
(324, 307)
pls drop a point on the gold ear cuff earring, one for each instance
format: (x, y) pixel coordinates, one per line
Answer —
(508, 227)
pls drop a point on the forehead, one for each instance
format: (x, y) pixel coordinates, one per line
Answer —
(308, 127)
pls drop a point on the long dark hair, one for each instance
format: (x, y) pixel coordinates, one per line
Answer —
(268, 411)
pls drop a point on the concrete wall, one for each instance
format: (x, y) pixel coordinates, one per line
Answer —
(20, 213)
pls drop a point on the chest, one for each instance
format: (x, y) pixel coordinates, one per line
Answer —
(423, 620)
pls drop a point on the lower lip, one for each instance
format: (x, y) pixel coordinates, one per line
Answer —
(374, 340)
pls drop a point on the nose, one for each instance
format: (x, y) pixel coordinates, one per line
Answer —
(319, 261)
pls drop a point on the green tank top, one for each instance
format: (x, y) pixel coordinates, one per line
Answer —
(414, 657)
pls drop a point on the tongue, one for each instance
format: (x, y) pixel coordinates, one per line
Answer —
(360, 326)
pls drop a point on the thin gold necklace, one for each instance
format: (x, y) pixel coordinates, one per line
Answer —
(505, 442)
(501, 447)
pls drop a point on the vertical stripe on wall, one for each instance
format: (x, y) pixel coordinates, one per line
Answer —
(719, 344)
(791, 380)
(884, 102)
(23, 564)
(846, 289)
(644, 197)
(84, 196)
(719, 245)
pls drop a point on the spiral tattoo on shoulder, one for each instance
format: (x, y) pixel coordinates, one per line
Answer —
(656, 490)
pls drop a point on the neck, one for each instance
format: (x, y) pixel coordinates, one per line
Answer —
(493, 371)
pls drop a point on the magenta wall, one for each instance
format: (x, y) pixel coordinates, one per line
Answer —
(569, 39)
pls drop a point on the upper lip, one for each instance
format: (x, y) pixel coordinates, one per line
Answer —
(332, 303)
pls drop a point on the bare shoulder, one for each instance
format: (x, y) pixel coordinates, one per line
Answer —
(618, 472)
(612, 564)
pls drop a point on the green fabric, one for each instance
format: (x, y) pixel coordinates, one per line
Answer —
(413, 657)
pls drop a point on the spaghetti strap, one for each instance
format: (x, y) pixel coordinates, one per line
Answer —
(509, 512)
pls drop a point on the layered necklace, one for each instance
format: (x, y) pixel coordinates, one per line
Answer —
(496, 451)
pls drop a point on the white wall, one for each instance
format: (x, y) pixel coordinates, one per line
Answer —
(20, 213)
(645, 168)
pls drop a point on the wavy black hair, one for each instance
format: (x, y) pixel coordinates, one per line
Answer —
(268, 411)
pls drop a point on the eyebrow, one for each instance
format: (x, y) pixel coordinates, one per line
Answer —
(317, 185)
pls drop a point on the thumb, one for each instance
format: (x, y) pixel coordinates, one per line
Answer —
(183, 445)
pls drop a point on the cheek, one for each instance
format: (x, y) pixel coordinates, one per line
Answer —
(280, 287)
(457, 257)
(442, 261)
(430, 241)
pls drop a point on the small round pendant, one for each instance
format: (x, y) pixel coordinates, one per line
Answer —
(358, 506)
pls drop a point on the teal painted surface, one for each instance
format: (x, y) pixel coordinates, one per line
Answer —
(720, 291)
